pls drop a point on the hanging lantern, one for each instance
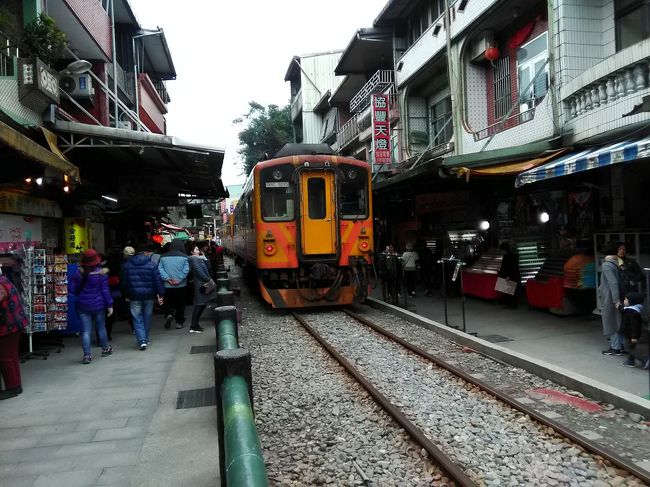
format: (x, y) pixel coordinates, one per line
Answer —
(492, 53)
(157, 238)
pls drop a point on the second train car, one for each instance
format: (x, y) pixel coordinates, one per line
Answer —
(304, 226)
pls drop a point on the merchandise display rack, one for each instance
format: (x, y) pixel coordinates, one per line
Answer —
(45, 294)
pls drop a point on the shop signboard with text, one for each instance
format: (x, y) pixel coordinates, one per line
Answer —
(380, 130)
(77, 235)
(17, 231)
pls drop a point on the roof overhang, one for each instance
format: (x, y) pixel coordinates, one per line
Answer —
(323, 105)
(393, 11)
(124, 13)
(349, 87)
(110, 156)
(157, 61)
(369, 50)
(79, 38)
(293, 69)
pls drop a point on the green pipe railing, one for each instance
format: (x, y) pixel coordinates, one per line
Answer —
(240, 453)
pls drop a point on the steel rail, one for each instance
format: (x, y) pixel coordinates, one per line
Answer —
(564, 431)
(418, 435)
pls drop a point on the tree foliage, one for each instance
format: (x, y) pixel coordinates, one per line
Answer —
(267, 130)
(43, 39)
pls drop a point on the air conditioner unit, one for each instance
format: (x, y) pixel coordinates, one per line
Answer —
(479, 46)
(77, 85)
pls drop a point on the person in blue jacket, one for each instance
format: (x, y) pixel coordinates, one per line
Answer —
(94, 302)
(141, 285)
(174, 267)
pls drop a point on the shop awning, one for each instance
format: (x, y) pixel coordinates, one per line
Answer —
(508, 168)
(369, 50)
(32, 150)
(165, 166)
(587, 159)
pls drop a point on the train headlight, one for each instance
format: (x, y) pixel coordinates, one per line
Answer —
(277, 175)
(352, 174)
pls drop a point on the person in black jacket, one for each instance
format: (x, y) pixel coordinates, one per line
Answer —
(510, 270)
(141, 285)
(632, 324)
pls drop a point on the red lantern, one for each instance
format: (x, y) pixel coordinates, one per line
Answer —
(492, 53)
(157, 238)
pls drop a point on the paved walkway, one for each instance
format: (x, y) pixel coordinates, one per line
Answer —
(571, 342)
(114, 421)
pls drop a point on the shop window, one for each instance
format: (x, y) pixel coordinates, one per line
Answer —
(532, 72)
(441, 122)
(501, 86)
(632, 19)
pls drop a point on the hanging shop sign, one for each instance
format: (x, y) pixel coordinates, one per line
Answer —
(24, 204)
(38, 84)
(17, 232)
(380, 129)
(77, 235)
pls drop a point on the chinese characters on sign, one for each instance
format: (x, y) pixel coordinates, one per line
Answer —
(380, 129)
(77, 235)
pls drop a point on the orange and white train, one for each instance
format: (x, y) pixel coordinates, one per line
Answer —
(304, 226)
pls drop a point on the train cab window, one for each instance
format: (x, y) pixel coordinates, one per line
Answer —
(316, 198)
(277, 193)
(354, 192)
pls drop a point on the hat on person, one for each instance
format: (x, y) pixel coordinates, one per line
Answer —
(128, 251)
(90, 258)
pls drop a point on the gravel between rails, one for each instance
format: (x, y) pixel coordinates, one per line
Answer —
(314, 421)
(497, 444)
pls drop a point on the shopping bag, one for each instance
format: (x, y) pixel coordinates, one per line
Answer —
(505, 286)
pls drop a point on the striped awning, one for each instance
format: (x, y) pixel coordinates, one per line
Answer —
(587, 159)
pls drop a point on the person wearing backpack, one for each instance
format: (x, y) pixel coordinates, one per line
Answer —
(611, 301)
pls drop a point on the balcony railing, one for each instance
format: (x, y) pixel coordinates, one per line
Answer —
(161, 88)
(616, 85)
(8, 55)
(348, 132)
(378, 83)
(506, 124)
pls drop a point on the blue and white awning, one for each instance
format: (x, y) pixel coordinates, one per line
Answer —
(587, 159)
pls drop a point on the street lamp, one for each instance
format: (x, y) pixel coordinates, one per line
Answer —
(79, 66)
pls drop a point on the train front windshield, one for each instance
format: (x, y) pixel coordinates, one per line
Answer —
(354, 192)
(277, 190)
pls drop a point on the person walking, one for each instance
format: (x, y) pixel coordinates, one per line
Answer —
(611, 303)
(13, 320)
(410, 262)
(174, 267)
(204, 287)
(94, 302)
(142, 286)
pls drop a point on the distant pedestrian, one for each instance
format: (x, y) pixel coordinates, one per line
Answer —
(94, 302)
(202, 284)
(632, 324)
(174, 267)
(409, 264)
(509, 270)
(13, 320)
(611, 301)
(142, 286)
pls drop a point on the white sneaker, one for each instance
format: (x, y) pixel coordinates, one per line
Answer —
(143, 346)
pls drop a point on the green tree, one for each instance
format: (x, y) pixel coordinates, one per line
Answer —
(267, 130)
(43, 39)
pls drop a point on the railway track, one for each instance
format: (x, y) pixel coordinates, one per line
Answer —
(476, 433)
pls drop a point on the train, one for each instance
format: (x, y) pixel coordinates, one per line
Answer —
(303, 228)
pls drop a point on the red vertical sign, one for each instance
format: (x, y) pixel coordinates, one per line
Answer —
(380, 129)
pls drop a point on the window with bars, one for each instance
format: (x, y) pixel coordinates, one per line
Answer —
(502, 95)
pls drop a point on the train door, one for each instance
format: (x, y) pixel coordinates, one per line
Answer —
(318, 215)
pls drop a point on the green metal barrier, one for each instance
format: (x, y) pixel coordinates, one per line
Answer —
(240, 454)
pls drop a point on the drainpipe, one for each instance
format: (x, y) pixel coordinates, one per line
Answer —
(553, 86)
(114, 62)
(452, 84)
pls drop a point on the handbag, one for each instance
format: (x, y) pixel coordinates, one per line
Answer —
(208, 287)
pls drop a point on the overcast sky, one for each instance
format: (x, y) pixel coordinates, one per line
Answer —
(227, 53)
